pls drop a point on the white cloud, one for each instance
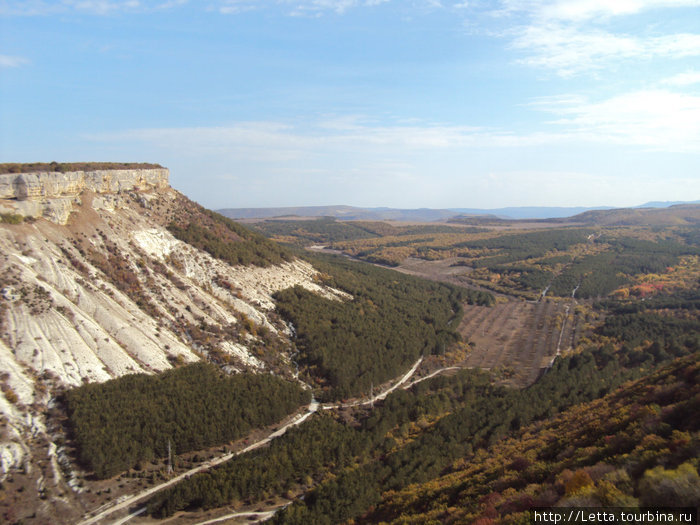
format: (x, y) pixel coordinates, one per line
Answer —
(683, 79)
(259, 140)
(679, 45)
(27, 8)
(576, 36)
(583, 10)
(352, 161)
(233, 7)
(169, 4)
(12, 61)
(296, 7)
(657, 119)
(570, 50)
(102, 7)
(315, 7)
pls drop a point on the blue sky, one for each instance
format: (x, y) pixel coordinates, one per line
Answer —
(418, 103)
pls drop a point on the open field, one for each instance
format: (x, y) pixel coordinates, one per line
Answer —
(442, 270)
(515, 338)
(518, 339)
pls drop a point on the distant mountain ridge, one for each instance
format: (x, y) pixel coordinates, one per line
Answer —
(427, 214)
(348, 213)
(664, 204)
(532, 212)
(675, 215)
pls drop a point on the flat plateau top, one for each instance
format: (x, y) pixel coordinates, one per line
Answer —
(63, 167)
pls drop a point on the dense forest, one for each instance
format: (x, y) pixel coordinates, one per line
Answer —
(321, 230)
(391, 321)
(128, 420)
(594, 275)
(637, 446)
(523, 246)
(584, 261)
(289, 461)
(480, 247)
(469, 432)
(598, 275)
(415, 436)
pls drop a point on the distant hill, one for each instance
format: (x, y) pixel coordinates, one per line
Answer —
(352, 213)
(664, 204)
(677, 215)
(529, 212)
(348, 213)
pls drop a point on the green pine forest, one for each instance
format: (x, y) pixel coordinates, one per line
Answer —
(391, 321)
(423, 434)
(127, 421)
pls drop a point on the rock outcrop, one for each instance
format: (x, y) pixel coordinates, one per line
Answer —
(111, 292)
(54, 195)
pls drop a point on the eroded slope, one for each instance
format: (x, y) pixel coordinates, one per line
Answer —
(113, 292)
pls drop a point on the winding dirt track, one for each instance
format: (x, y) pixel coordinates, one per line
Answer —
(127, 501)
(515, 333)
(257, 516)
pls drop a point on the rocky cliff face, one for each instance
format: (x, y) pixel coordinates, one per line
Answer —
(110, 292)
(55, 195)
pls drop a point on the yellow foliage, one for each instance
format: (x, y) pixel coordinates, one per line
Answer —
(578, 483)
(621, 293)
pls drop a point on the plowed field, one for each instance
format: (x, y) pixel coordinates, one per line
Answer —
(517, 339)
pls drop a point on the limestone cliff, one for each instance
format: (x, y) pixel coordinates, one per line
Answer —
(108, 292)
(54, 195)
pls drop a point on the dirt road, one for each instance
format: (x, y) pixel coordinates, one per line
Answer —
(381, 395)
(126, 501)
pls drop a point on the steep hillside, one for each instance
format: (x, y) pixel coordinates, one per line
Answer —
(638, 445)
(423, 439)
(94, 286)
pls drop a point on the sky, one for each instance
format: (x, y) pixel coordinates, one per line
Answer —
(405, 104)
